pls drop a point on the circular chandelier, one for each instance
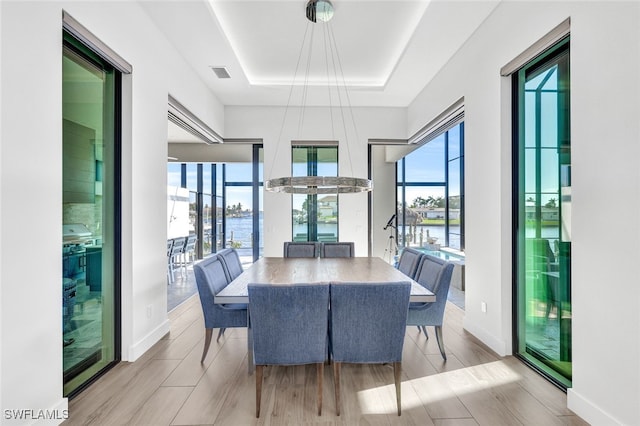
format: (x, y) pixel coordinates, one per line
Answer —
(320, 10)
(318, 185)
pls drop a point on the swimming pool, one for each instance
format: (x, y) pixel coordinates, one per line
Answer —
(446, 255)
(457, 279)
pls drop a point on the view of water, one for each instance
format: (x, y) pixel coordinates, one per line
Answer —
(240, 229)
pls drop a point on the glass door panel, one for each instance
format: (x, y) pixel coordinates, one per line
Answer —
(90, 169)
(243, 207)
(543, 288)
(239, 220)
(315, 217)
(207, 224)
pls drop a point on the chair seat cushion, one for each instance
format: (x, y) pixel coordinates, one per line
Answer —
(419, 305)
(235, 306)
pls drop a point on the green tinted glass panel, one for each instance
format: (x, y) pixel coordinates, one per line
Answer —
(543, 284)
(89, 171)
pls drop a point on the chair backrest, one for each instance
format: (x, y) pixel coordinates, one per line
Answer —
(211, 277)
(231, 262)
(368, 321)
(178, 246)
(435, 274)
(301, 249)
(190, 244)
(409, 261)
(341, 249)
(169, 246)
(538, 254)
(290, 323)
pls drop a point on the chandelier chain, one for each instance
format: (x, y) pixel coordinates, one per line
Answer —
(320, 184)
(286, 109)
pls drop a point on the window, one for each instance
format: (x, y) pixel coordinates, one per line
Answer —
(243, 206)
(454, 223)
(225, 204)
(431, 193)
(315, 217)
(542, 195)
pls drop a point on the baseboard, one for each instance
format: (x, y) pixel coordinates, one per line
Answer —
(148, 341)
(587, 410)
(496, 345)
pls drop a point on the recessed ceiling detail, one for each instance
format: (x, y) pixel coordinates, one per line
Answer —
(267, 41)
(389, 49)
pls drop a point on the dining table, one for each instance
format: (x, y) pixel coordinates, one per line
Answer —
(286, 271)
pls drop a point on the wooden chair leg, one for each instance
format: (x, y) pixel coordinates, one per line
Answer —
(259, 372)
(207, 341)
(220, 333)
(336, 383)
(397, 371)
(320, 379)
(440, 341)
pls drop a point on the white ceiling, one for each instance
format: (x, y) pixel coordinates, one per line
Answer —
(388, 50)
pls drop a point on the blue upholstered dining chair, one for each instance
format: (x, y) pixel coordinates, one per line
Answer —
(211, 278)
(409, 261)
(341, 249)
(233, 269)
(434, 274)
(231, 262)
(301, 249)
(368, 323)
(289, 324)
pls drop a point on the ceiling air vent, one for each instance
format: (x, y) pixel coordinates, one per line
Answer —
(221, 72)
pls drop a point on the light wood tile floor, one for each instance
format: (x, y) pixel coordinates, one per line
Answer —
(169, 386)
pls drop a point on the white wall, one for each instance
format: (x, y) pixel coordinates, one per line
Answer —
(266, 123)
(31, 184)
(605, 48)
(383, 204)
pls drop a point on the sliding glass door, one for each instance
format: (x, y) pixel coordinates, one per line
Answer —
(90, 207)
(542, 233)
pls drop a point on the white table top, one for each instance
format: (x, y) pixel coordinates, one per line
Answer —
(278, 270)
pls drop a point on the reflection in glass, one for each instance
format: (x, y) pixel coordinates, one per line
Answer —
(89, 171)
(543, 253)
